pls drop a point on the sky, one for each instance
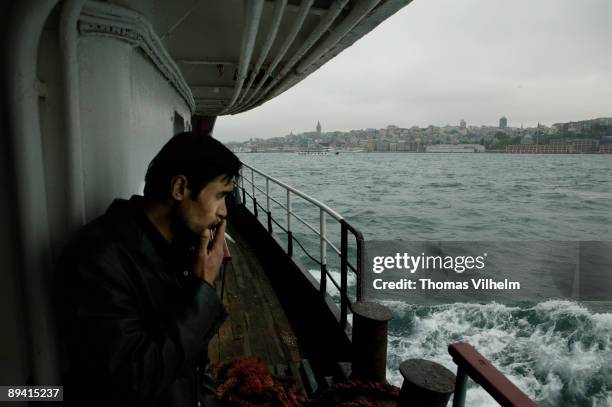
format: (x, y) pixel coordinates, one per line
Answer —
(440, 61)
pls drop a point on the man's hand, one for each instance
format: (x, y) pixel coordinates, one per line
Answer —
(208, 262)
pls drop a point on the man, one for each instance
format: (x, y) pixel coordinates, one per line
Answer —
(138, 305)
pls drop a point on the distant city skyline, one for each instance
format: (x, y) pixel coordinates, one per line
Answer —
(437, 62)
(583, 137)
(319, 127)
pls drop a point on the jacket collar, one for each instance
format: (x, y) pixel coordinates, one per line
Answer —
(137, 233)
(133, 229)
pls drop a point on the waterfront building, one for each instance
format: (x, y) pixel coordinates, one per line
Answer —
(605, 145)
(382, 146)
(370, 146)
(606, 140)
(540, 149)
(455, 148)
(605, 149)
(587, 145)
(392, 130)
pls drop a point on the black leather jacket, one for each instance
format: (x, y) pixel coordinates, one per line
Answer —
(134, 323)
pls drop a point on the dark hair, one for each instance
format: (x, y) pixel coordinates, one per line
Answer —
(200, 158)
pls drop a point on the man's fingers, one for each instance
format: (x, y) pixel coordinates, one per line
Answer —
(204, 241)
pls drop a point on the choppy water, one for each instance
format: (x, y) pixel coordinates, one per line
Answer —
(558, 352)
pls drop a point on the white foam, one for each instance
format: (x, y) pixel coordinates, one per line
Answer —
(533, 347)
(351, 280)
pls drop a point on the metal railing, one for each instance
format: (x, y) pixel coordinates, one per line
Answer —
(324, 242)
(471, 363)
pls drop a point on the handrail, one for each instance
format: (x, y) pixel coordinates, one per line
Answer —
(298, 217)
(471, 363)
(299, 193)
(324, 241)
(334, 248)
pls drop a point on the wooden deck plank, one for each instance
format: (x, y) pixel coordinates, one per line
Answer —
(257, 324)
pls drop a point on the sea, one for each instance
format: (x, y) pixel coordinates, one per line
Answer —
(557, 348)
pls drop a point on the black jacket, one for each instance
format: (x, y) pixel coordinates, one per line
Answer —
(135, 323)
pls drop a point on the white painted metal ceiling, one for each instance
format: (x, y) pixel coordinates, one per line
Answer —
(237, 54)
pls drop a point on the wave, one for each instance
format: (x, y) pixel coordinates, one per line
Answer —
(558, 352)
(443, 185)
(351, 280)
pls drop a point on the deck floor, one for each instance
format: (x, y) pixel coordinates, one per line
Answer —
(257, 325)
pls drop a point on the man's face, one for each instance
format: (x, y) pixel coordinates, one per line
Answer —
(207, 210)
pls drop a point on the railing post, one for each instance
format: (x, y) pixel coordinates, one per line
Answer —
(343, 273)
(268, 205)
(242, 184)
(267, 194)
(253, 182)
(269, 222)
(369, 360)
(360, 262)
(426, 383)
(323, 251)
(289, 235)
(253, 191)
(460, 388)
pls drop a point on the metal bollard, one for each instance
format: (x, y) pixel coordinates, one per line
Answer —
(370, 321)
(426, 383)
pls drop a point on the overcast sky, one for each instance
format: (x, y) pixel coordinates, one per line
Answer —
(440, 61)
